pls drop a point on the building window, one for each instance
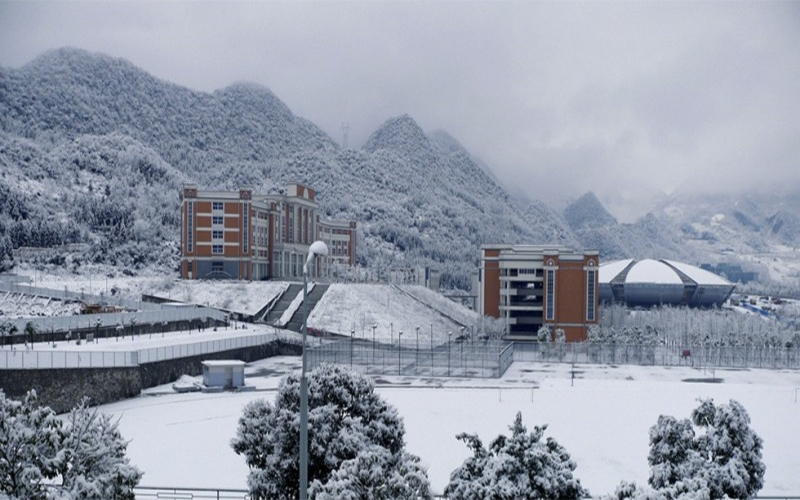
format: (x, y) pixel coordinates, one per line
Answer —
(217, 205)
(551, 295)
(217, 220)
(217, 235)
(216, 267)
(291, 225)
(190, 226)
(590, 294)
(189, 266)
(246, 229)
(217, 249)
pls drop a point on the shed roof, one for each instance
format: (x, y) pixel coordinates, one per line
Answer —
(223, 362)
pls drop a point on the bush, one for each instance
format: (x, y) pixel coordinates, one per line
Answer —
(349, 426)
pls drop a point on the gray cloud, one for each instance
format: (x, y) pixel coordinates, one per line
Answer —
(626, 99)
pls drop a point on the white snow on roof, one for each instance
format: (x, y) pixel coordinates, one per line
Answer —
(701, 276)
(223, 362)
(610, 270)
(653, 271)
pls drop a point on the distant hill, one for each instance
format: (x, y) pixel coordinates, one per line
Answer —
(94, 151)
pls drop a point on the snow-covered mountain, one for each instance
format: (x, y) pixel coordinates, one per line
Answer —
(94, 151)
(761, 231)
(596, 228)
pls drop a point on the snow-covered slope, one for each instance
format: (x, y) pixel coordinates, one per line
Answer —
(94, 151)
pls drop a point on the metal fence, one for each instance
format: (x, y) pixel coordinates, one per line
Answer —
(86, 321)
(144, 492)
(47, 359)
(66, 295)
(696, 356)
(480, 359)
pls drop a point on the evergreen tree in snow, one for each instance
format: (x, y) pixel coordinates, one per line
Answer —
(43, 457)
(30, 447)
(375, 474)
(520, 466)
(95, 464)
(349, 426)
(724, 460)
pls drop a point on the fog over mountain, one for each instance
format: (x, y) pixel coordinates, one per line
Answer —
(94, 150)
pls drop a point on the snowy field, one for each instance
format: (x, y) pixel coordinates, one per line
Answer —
(182, 440)
(357, 307)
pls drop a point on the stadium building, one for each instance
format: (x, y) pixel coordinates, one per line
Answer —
(649, 282)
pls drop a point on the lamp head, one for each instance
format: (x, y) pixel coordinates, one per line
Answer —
(316, 248)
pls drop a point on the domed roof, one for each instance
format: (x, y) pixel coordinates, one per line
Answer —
(650, 282)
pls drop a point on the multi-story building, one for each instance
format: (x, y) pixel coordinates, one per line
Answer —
(531, 286)
(245, 235)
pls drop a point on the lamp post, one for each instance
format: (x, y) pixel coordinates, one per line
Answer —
(373, 343)
(417, 328)
(449, 334)
(316, 248)
(399, 349)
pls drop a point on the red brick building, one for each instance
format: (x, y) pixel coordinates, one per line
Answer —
(532, 286)
(245, 235)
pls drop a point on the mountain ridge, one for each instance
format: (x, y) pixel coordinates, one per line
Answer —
(82, 132)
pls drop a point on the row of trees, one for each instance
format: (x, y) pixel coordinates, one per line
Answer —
(45, 457)
(357, 452)
(690, 326)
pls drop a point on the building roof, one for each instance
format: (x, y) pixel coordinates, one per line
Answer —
(699, 276)
(652, 271)
(223, 362)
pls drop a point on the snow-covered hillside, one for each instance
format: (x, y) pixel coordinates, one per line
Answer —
(94, 151)
(357, 308)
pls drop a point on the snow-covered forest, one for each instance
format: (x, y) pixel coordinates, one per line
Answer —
(94, 150)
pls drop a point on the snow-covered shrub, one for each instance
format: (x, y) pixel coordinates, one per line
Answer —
(30, 447)
(348, 423)
(724, 461)
(95, 464)
(375, 474)
(44, 457)
(517, 467)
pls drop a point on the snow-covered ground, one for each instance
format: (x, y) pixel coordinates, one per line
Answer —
(183, 440)
(357, 307)
(343, 308)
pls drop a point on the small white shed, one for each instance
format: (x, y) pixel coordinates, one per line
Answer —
(223, 373)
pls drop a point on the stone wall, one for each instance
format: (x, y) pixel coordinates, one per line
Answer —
(63, 389)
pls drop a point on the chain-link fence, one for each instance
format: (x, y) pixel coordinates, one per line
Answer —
(697, 356)
(479, 359)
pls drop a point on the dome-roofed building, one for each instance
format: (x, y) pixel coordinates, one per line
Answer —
(649, 282)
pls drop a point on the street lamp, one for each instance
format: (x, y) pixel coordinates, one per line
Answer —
(399, 349)
(449, 334)
(417, 328)
(316, 248)
(373, 343)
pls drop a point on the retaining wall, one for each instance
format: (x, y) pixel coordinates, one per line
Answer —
(63, 389)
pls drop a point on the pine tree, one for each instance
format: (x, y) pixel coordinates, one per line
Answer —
(345, 418)
(517, 467)
(31, 450)
(95, 464)
(724, 460)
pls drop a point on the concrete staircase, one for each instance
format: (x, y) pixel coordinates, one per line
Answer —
(296, 323)
(283, 303)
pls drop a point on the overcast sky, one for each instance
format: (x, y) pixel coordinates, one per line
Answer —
(627, 99)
